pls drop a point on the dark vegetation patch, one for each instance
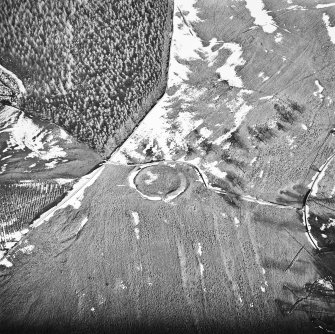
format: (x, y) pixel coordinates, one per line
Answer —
(94, 68)
(21, 202)
(236, 140)
(288, 113)
(262, 132)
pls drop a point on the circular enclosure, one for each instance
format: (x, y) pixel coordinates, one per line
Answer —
(157, 180)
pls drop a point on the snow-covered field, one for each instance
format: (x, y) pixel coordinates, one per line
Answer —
(38, 144)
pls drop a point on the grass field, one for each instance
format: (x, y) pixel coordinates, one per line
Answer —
(195, 264)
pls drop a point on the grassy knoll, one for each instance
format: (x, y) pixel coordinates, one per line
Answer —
(196, 264)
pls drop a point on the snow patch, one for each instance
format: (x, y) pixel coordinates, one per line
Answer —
(263, 76)
(296, 7)
(27, 249)
(213, 169)
(61, 181)
(17, 80)
(199, 249)
(136, 218)
(266, 97)
(228, 70)
(240, 108)
(261, 16)
(304, 127)
(6, 263)
(330, 29)
(318, 93)
(73, 198)
(137, 232)
(205, 133)
(25, 134)
(278, 37)
(320, 5)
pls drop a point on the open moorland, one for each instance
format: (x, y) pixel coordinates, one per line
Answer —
(124, 263)
(216, 215)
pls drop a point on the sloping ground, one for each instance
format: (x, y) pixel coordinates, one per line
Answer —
(278, 98)
(35, 149)
(122, 263)
(250, 96)
(21, 202)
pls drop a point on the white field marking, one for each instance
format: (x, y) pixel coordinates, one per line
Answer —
(304, 126)
(330, 29)
(318, 93)
(17, 80)
(266, 97)
(262, 288)
(205, 133)
(261, 16)
(228, 70)
(137, 232)
(6, 263)
(263, 76)
(261, 173)
(240, 109)
(152, 177)
(253, 161)
(199, 249)
(136, 218)
(279, 37)
(27, 249)
(320, 5)
(73, 198)
(236, 222)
